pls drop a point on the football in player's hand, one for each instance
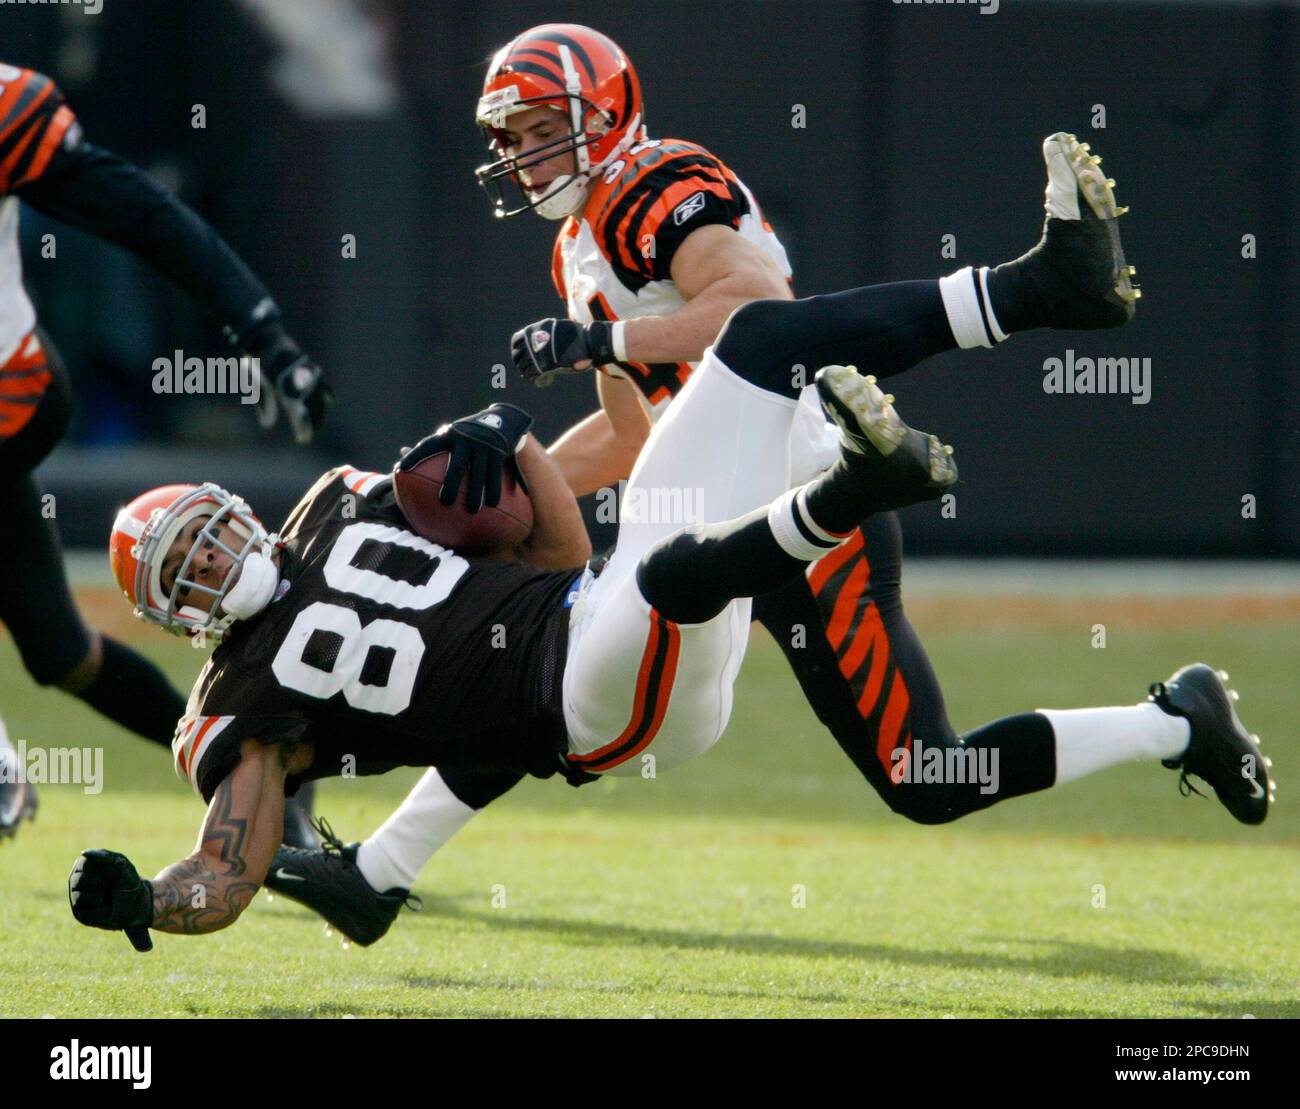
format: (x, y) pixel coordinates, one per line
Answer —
(488, 531)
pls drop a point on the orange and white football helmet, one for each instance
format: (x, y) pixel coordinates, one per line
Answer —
(582, 74)
(144, 532)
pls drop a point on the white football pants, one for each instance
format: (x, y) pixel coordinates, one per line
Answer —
(635, 684)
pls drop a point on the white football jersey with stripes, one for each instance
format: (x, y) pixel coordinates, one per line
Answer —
(613, 261)
(17, 316)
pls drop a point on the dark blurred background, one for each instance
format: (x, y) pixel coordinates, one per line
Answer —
(328, 118)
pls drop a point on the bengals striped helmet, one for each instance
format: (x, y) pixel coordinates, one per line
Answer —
(580, 73)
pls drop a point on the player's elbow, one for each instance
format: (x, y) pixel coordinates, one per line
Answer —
(570, 548)
(552, 557)
(758, 278)
(579, 552)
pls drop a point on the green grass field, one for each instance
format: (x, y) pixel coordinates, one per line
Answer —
(676, 897)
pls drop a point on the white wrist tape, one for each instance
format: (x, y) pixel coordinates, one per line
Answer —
(618, 341)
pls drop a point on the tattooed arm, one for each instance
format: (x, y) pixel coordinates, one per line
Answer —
(208, 890)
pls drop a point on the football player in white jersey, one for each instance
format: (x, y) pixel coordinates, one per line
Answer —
(46, 163)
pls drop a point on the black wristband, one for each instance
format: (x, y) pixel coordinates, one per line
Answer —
(261, 335)
(274, 349)
(148, 888)
(600, 338)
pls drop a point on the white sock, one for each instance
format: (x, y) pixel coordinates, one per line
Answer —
(428, 818)
(970, 309)
(796, 532)
(1088, 740)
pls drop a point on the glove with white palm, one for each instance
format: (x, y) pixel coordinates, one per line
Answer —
(290, 382)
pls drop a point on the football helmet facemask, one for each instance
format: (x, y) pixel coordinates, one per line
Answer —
(587, 78)
(144, 533)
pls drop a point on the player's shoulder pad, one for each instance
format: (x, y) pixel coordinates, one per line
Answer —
(647, 202)
(34, 122)
(326, 496)
(360, 482)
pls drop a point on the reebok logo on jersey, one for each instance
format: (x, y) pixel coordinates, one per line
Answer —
(688, 207)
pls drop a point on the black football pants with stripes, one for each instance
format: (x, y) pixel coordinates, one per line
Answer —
(866, 675)
(842, 626)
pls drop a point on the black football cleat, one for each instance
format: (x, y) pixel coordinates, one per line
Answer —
(17, 803)
(328, 881)
(1077, 271)
(899, 465)
(1221, 752)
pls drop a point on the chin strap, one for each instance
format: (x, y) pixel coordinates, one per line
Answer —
(564, 201)
(569, 198)
(256, 585)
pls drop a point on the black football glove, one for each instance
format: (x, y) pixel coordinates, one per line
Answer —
(105, 891)
(550, 347)
(290, 381)
(482, 446)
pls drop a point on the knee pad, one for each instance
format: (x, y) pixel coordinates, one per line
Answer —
(927, 802)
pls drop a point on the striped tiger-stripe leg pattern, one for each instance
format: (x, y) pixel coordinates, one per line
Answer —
(839, 626)
(865, 673)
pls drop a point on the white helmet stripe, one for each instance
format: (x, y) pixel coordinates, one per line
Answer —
(573, 86)
(132, 525)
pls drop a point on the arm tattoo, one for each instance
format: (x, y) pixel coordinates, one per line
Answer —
(195, 895)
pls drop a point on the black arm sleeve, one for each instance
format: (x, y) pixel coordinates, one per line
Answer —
(96, 191)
